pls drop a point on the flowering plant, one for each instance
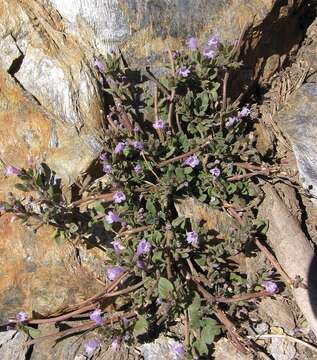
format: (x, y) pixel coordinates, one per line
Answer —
(166, 140)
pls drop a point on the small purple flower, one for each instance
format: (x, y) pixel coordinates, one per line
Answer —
(96, 317)
(192, 161)
(176, 54)
(125, 322)
(120, 147)
(136, 129)
(209, 53)
(140, 215)
(159, 124)
(192, 43)
(215, 171)
(183, 71)
(11, 170)
(137, 168)
(245, 111)
(213, 42)
(178, 349)
(114, 272)
(90, 346)
(98, 64)
(232, 120)
(112, 217)
(158, 301)
(140, 264)
(143, 247)
(138, 145)
(107, 168)
(115, 345)
(117, 246)
(270, 286)
(119, 197)
(103, 157)
(21, 316)
(192, 237)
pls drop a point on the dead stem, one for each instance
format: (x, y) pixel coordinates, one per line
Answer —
(183, 156)
(242, 297)
(224, 91)
(248, 175)
(168, 237)
(275, 263)
(105, 197)
(136, 230)
(231, 331)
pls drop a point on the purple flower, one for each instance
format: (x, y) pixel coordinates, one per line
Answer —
(183, 71)
(120, 147)
(232, 120)
(107, 168)
(21, 316)
(90, 346)
(175, 54)
(114, 272)
(140, 215)
(140, 264)
(159, 301)
(112, 217)
(125, 322)
(138, 145)
(115, 345)
(117, 246)
(159, 124)
(178, 349)
(192, 237)
(136, 129)
(143, 247)
(137, 168)
(209, 53)
(103, 157)
(245, 111)
(96, 317)
(215, 171)
(192, 43)
(213, 42)
(192, 161)
(11, 170)
(119, 197)
(270, 287)
(98, 64)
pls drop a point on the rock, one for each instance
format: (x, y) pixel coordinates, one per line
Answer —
(12, 345)
(160, 349)
(224, 350)
(38, 276)
(276, 313)
(297, 119)
(52, 74)
(282, 349)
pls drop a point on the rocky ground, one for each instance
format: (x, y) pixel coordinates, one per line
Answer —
(51, 109)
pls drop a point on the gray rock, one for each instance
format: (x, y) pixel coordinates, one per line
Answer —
(224, 350)
(298, 120)
(160, 349)
(12, 345)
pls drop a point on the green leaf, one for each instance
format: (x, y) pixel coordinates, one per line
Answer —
(194, 312)
(59, 237)
(150, 207)
(201, 347)
(141, 326)
(22, 187)
(210, 330)
(34, 333)
(165, 288)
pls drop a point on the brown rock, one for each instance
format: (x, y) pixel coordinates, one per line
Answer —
(38, 275)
